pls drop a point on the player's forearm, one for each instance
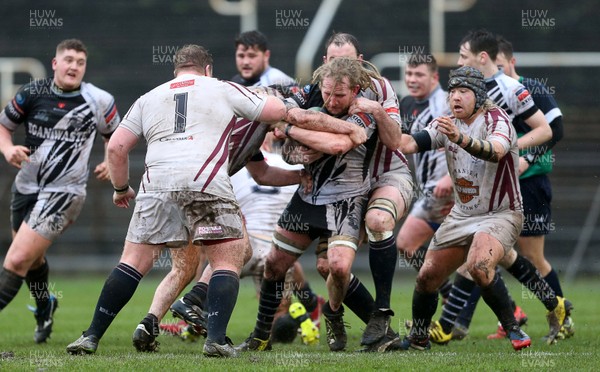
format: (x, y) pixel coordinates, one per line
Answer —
(275, 176)
(5, 139)
(535, 137)
(389, 130)
(318, 121)
(490, 151)
(329, 143)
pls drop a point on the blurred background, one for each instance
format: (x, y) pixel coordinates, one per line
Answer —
(131, 44)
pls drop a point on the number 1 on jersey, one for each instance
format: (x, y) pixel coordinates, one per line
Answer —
(180, 112)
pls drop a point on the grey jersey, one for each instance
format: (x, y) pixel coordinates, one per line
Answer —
(343, 176)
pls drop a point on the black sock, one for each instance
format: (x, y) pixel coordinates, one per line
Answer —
(382, 261)
(151, 323)
(117, 291)
(223, 289)
(552, 280)
(37, 282)
(271, 293)
(10, 283)
(416, 261)
(466, 315)
(495, 296)
(197, 295)
(445, 289)
(423, 308)
(457, 299)
(307, 297)
(527, 274)
(359, 300)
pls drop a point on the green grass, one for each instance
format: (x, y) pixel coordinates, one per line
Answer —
(78, 297)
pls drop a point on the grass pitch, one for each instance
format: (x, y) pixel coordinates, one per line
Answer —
(78, 296)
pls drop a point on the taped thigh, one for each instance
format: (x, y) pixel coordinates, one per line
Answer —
(287, 245)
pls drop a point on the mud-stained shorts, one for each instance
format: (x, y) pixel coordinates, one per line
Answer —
(174, 217)
(47, 213)
(429, 208)
(458, 231)
(402, 180)
(339, 221)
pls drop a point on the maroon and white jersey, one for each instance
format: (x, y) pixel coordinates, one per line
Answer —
(510, 95)
(385, 159)
(187, 123)
(482, 186)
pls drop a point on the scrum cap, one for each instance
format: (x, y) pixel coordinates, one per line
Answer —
(470, 78)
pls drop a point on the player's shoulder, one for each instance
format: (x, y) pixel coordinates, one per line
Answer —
(99, 94)
(274, 75)
(495, 115)
(35, 88)
(510, 85)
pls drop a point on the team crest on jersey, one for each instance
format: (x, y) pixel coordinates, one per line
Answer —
(465, 189)
(523, 95)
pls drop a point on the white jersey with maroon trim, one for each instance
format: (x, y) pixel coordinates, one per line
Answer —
(482, 186)
(262, 205)
(187, 123)
(510, 95)
(385, 159)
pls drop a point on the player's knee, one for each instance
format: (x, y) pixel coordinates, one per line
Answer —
(380, 219)
(482, 274)
(273, 269)
(247, 254)
(339, 269)
(426, 282)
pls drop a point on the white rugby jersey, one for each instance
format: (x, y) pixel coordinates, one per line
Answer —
(273, 76)
(510, 95)
(482, 186)
(187, 123)
(430, 166)
(262, 205)
(60, 128)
